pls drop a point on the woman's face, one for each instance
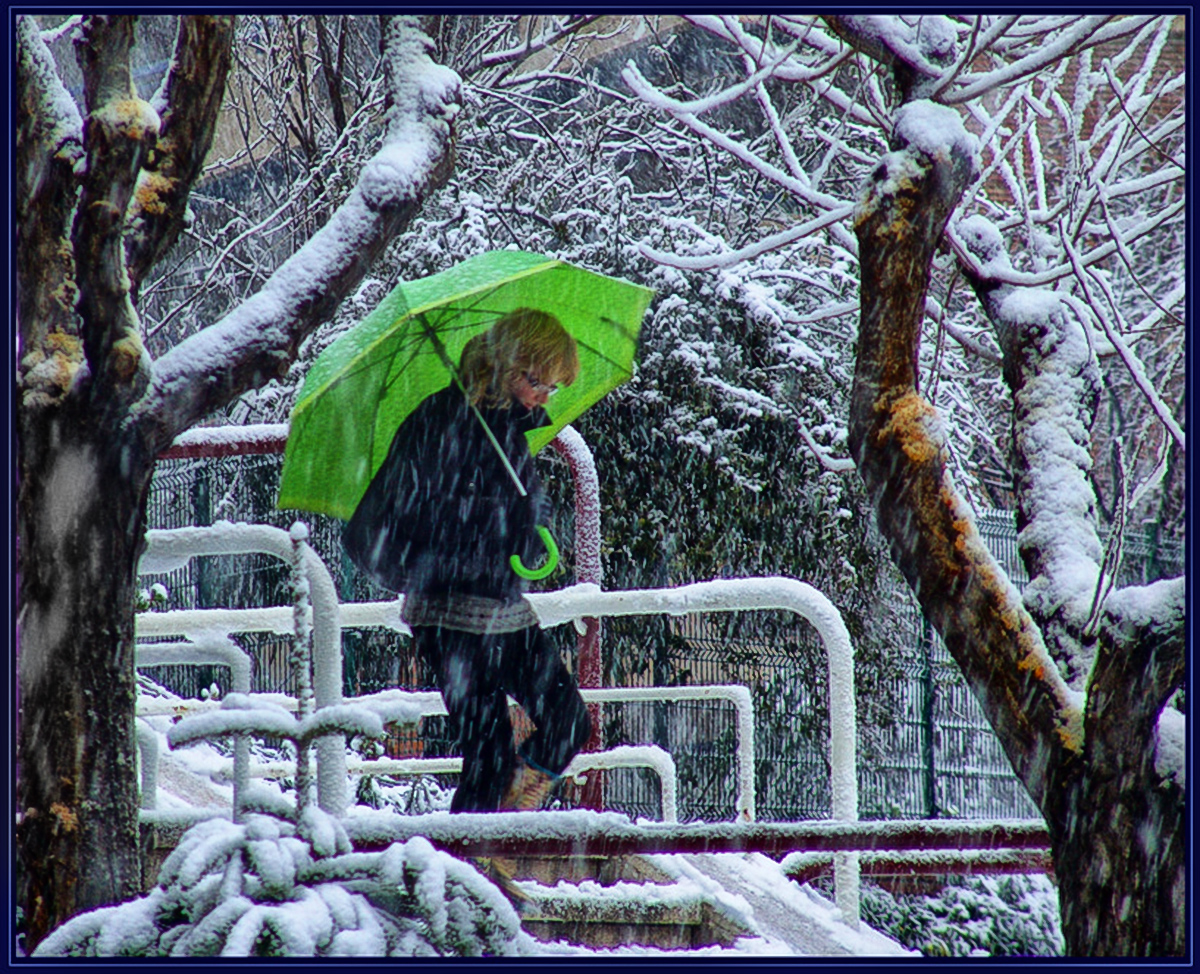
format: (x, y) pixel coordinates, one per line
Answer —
(529, 389)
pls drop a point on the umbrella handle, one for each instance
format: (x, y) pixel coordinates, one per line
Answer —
(551, 558)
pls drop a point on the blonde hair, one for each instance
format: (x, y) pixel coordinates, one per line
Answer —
(522, 340)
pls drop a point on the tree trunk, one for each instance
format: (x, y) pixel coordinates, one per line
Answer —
(80, 504)
(1121, 879)
(1116, 825)
(1119, 858)
(93, 411)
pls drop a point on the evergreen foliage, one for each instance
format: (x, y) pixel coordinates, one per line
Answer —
(273, 888)
(998, 916)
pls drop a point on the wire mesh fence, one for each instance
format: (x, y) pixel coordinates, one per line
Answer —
(925, 749)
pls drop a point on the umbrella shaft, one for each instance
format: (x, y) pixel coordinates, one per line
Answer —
(500, 451)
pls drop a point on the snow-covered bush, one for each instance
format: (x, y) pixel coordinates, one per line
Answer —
(1003, 916)
(415, 795)
(155, 597)
(269, 887)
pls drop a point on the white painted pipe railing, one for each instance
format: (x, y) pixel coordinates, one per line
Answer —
(728, 595)
(576, 603)
(635, 756)
(624, 756)
(147, 740)
(428, 703)
(168, 550)
(213, 649)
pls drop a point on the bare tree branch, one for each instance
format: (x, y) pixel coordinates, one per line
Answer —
(331, 70)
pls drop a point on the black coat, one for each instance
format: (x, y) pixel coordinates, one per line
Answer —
(442, 514)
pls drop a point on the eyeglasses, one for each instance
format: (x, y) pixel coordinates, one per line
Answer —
(537, 385)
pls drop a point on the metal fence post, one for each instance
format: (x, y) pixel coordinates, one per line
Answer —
(928, 743)
(202, 517)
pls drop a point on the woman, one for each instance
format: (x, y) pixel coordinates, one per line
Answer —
(440, 521)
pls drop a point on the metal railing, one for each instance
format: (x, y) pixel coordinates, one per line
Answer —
(167, 550)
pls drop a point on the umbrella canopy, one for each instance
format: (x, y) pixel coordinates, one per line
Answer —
(364, 385)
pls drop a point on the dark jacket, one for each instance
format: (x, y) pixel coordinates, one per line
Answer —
(442, 514)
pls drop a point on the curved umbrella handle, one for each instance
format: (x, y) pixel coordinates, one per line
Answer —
(551, 558)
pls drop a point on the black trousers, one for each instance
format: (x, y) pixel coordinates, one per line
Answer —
(476, 674)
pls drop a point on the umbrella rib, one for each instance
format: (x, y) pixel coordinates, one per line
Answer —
(628, 334)
(605, 358)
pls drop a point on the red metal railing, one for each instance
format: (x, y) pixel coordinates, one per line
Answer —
(955, 841)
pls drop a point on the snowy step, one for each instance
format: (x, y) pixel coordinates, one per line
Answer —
(618, 901)
(604, 870)
(639, 917)
(690, 901)
(751, 891)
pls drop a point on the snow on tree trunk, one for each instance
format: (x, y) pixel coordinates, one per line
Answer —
(1122, 892)
(1115, 821)
(94, 411)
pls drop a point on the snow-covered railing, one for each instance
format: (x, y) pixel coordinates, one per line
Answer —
(208, 648)
(603, 834)
(583, 601)
(147, 741)
(429, 703)
(804, 867)
(169, 550)
(729, 595)
(725, 595)
(623, 756)
(739, 696)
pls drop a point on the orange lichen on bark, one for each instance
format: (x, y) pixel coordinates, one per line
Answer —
(50, 370)
(125, 356)
(908, 418)
(68, 819)
(1070, 733)
(1000, 612)
(151, 190)
(133, 117)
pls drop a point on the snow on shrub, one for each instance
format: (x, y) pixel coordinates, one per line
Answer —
(270, 887)
(1003, 916)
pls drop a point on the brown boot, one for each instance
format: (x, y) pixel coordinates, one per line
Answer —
(528, 789)
(501, 872)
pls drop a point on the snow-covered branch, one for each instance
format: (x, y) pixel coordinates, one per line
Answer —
(188, 104)
(918, 55)
(1127, 355)
(1084, 33)
(49, 148)
(769, 243)
(1055, 383)
(259, 339)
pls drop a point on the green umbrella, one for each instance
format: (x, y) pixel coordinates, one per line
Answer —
(363, 386)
